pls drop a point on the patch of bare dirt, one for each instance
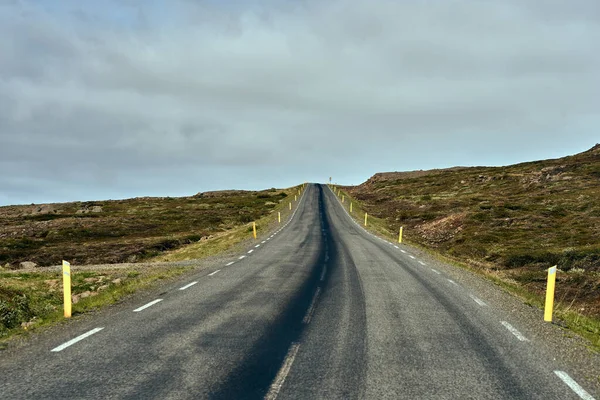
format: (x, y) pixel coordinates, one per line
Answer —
(443, 229)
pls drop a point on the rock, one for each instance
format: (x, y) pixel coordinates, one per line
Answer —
(85, 294)
(89, 280)
(27, 264)
(96, 209)
(116, 281)
(26, 325)
(103, 287)
(45, 209)
(75, 298)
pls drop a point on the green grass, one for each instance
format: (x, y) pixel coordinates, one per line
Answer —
(32, 301)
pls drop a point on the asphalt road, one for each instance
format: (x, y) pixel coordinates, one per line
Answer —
(319, 310)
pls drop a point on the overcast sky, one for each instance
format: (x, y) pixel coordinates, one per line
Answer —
(116, 99)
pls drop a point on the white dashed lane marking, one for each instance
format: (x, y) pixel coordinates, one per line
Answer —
(311, 309)
(574, 385)
(211, 274)
(283, 372)
(142, 308)
(436, 271)
(514, 331)
(189, 285)
(230, 263)
(77, 339)
(477, 300)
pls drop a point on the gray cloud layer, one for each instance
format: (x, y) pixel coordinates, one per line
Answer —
(175, 98)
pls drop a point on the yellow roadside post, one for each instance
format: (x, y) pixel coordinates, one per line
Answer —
(67, 288)
(290, 205)
(350, 206)
(295, 198)
(343, 198)
(254, 229)
(550, 294)
(365, 219)
(400, 235)
(279, 216)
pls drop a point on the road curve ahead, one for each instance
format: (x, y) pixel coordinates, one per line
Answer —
(318, 310)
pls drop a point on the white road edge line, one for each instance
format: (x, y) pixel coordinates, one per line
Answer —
(477, 300)
(250, 252)
(264, 241)
(515, 332)
(189, 285)
(212, 273)
(283, 372)
(396, 247)
(257, 246)
(311, 309)
(452, 282)
(241, 257)
(574, 385)
(413, 257)
(403, 251)
(77, 339)
(230, 263)
(147, 305)
(436, 271)
(422, 263)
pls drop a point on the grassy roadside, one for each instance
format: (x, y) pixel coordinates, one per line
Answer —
(32, 299)
(564, 312)
(224, 241)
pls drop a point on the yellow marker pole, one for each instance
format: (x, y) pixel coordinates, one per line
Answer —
(279, 216)
(67, 288)
(290, 205)
(295, 198)
(550, 294)
(400, 235)
(350, 206)
(365, 219)
(254, 229)
(343, 198)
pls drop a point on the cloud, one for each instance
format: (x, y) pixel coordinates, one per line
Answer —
(118, 99)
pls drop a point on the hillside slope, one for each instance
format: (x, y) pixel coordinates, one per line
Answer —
(515, 221)
(130, 230)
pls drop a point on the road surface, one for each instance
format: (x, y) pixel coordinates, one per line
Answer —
(320, 309)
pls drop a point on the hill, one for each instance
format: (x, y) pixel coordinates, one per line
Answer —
(513, 221)
(114, 231)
